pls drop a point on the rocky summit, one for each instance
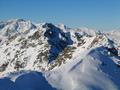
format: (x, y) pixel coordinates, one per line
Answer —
(58, 57)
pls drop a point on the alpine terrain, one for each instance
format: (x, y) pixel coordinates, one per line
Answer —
(55, 57)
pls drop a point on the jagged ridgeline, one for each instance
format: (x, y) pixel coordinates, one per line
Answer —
(28, 46)
(33, 46)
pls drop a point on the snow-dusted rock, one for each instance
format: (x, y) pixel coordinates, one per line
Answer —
(69, 59)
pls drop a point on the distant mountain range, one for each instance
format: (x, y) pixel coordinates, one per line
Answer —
(68, 59)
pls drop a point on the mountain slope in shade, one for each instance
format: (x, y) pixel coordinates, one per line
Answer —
(25, 81)
(57, 57)
(89, 71)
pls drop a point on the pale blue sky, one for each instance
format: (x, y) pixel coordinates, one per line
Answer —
(96, 14)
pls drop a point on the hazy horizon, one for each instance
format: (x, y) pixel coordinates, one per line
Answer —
(95, 14)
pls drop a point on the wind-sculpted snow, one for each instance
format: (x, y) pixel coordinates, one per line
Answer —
(108, 66)
(70, 59)
(27, 81)
(92, 70)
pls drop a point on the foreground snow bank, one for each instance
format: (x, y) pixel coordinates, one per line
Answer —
(90, 71)
(25, 81)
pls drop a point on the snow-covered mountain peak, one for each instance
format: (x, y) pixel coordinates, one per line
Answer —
(62, 26)
(82, 58)
(15, 26)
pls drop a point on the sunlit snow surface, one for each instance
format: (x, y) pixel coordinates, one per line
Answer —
(89, 71)
(89, 68)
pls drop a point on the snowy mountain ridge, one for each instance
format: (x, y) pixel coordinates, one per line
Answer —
(82, 58)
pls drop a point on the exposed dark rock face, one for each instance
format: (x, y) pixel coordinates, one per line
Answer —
(58, 40)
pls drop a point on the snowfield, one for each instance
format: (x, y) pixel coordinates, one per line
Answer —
(94, 71)
(54, 57)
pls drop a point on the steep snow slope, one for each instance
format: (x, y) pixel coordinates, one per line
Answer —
(91, 70)
(70, 59)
